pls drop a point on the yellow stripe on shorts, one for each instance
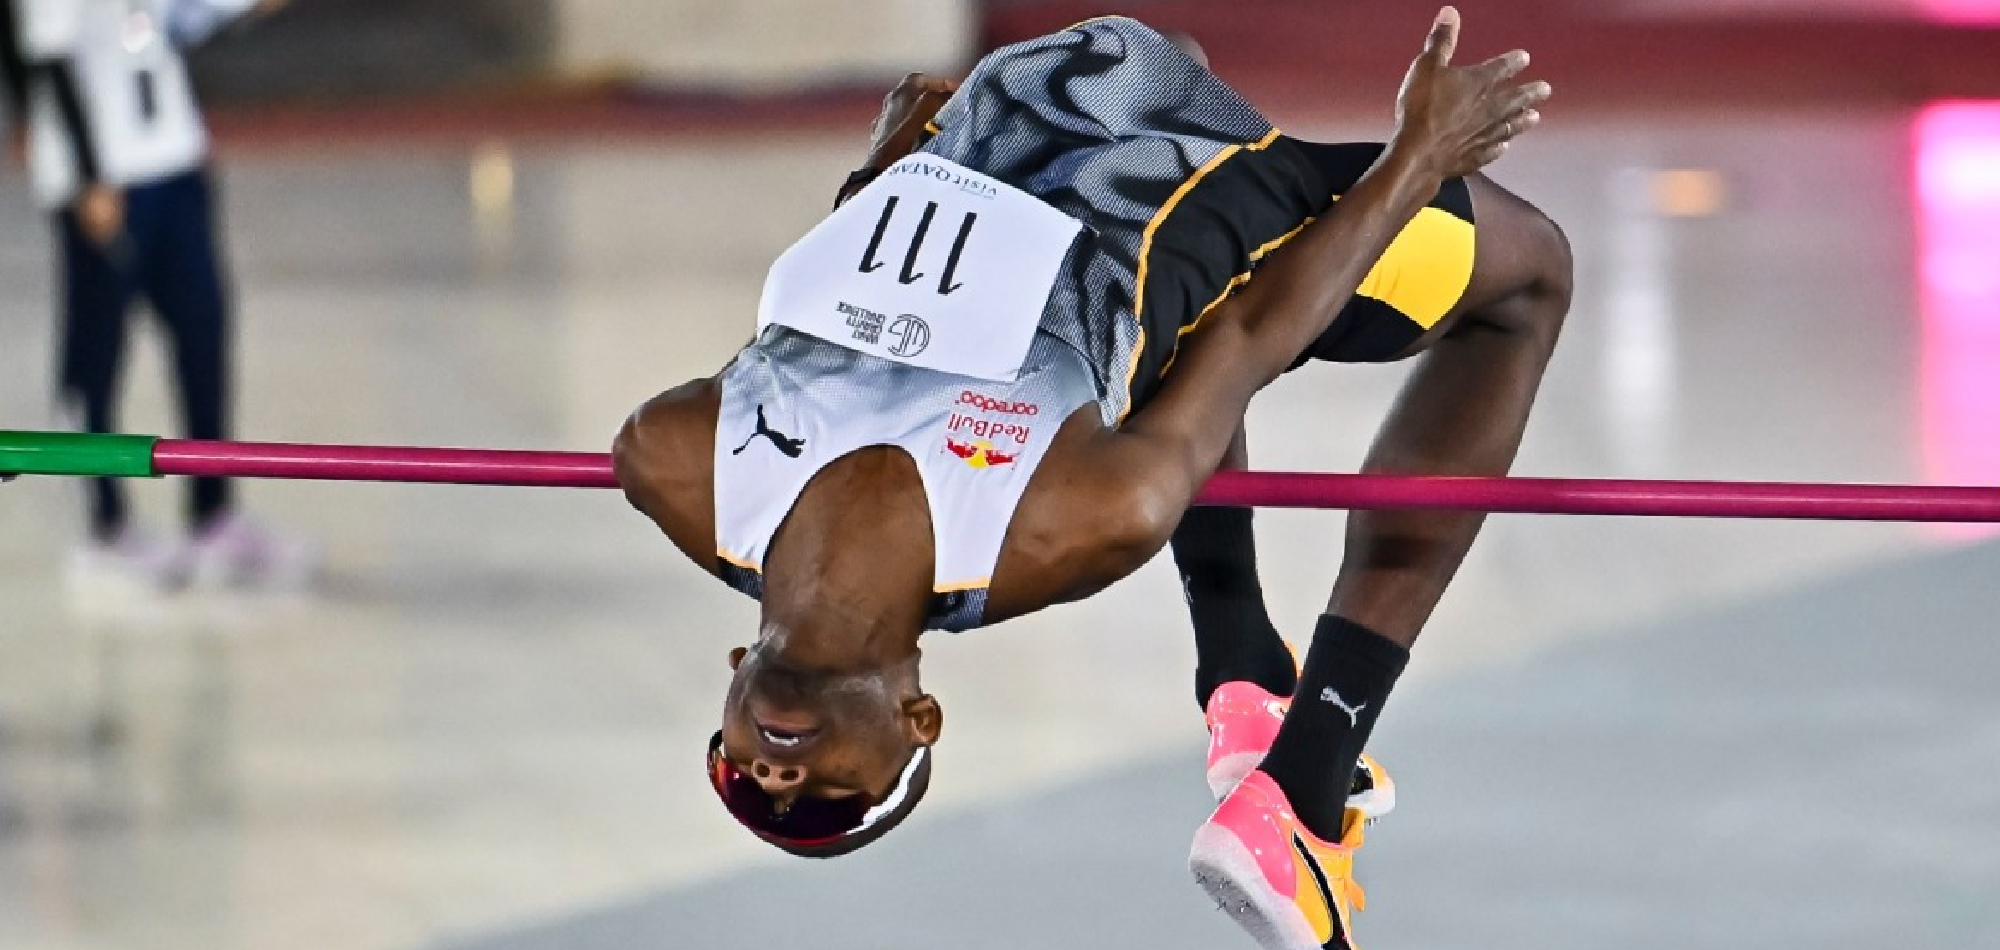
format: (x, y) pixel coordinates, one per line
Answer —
(1426, 268)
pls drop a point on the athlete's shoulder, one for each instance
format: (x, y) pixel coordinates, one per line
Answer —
(664, 458)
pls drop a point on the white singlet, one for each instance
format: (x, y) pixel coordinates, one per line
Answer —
(134, 89)
(970, 386)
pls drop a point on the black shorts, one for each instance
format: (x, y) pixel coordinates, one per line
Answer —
(1209, 241)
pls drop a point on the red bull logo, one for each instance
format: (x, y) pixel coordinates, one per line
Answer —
(979, 453)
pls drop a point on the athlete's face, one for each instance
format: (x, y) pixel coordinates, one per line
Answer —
(801, 733)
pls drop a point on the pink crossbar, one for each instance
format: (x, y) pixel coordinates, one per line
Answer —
(1260, 489)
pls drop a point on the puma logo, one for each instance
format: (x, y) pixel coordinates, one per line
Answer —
(786, 444)
(1353, 712)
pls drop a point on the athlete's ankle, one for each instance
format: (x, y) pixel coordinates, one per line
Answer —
(1262, 660)
(1349, 671)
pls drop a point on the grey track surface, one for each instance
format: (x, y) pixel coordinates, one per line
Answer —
(1819, 768)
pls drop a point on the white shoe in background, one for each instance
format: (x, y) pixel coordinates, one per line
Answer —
(133, 564)
(237, 552)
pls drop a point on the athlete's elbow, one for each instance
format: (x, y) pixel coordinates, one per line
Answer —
(642, 457)
(1140, 520)
(628, 460)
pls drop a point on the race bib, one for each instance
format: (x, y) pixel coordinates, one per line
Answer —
(933, 265)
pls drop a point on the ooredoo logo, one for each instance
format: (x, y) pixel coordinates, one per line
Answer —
(985, 403)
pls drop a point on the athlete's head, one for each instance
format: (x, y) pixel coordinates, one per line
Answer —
(821, 763)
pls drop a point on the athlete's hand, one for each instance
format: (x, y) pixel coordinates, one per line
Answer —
(100, 211)
(1456, 120)
(905, 110)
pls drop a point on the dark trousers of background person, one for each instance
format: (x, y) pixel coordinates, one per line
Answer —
(168, 255)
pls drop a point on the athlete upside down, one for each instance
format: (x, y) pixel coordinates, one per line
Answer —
(1037, 297)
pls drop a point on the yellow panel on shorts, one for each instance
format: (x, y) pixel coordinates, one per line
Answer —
(1426, 269)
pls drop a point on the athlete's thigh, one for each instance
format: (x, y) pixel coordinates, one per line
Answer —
(1419, 283)
(1507, 258)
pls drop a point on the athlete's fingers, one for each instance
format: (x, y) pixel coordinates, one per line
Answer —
(1527, 97)
(1508, 129)
(1443, 40)
(1513, 126)
(1501, 68)
(1515, 112)
(1518, 125)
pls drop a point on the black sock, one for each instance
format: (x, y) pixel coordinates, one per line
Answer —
(1348, 674)
(1233, 635)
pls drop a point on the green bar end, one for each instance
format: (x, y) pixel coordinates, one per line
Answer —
(76, 454)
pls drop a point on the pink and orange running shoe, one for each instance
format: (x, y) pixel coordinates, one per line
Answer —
(1243, 721)
(1260, 864)
(1288, 888)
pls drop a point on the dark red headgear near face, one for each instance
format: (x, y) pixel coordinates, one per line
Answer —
(817, 827)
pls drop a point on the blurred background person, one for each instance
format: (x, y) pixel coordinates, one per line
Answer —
(13, 80)
(119, 158)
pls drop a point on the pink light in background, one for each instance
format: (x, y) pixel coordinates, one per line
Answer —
(1957, 178)
(1965, 12)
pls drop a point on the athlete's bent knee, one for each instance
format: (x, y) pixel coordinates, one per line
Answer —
(1540, 302)
(1555, 274)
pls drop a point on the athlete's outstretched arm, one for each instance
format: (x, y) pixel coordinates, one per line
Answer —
(1450, 122)
(906, 111)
